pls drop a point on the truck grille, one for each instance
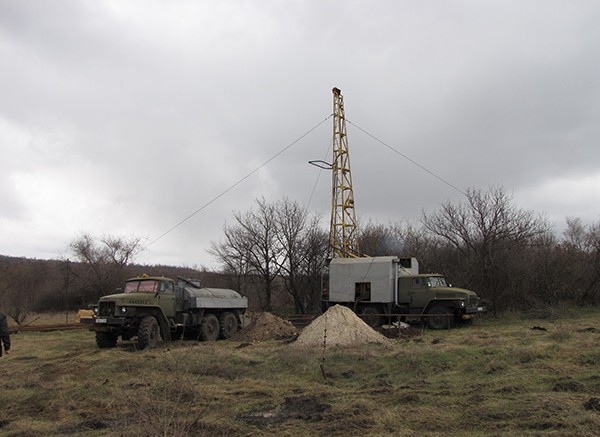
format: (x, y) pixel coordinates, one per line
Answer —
(473, 300)
(106, 309)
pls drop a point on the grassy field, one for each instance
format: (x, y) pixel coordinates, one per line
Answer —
(35, 319)
(494, 378)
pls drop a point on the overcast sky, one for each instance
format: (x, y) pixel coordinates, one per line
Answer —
(124, 117)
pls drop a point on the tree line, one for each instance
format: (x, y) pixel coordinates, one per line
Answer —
(510, 256)
(274, 254)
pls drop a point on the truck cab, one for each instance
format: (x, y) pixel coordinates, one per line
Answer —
(431, 294)
(161, 289)
(120, 314)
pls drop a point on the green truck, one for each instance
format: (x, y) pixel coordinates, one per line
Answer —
(386, 288)
(152, 307)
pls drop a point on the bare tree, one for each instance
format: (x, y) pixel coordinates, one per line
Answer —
(251, 246)
(485, 232)
(304, 250)
(103, 260)
(291, 224)
(376, 239)
(232, 253)
(20, 283)
(592, 294)
(580, 251)
(434, 254)
(575, 235)
(278, 243)
(316, 250)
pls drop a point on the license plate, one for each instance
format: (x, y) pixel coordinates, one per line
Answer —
(100, 320)
(480, 309)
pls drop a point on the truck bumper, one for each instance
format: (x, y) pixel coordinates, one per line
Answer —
(86, 320)
(473, 313)
(104, 323)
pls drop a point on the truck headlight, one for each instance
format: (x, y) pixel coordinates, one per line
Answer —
(462, 303)
(123, 310)
(95, 309)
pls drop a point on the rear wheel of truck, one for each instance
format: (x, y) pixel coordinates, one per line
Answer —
(209, 329)
(229, 324)
(106, 340)
(148, 333)
(370, 314)
(440, 317)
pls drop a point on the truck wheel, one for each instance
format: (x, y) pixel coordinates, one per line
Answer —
(106, 340)
(440, 317)
(229, 324)
(209, 329)
(370, 315)
(148, 333)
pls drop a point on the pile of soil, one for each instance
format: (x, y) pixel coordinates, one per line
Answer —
(267, 326)
(338, 326)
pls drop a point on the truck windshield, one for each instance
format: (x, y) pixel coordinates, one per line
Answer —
(141, 287)
(436, 281)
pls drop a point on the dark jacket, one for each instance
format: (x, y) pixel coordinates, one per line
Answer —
(4, 337)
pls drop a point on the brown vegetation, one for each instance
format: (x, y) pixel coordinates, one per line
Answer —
(497, 377)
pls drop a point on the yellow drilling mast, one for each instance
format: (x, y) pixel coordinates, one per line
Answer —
(344, 235)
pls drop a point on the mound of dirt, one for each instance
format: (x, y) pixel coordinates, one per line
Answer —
(267, 326)
(338, 326)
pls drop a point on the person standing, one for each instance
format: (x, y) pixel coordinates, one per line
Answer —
(4, 336)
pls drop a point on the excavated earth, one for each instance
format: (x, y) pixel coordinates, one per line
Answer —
(338, 326)
(267, 326)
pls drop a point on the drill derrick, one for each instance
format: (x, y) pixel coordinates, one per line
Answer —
(343, 229)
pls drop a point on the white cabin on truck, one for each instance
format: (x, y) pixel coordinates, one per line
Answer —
(368, 279)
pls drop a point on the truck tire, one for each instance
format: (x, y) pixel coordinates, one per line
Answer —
(229, 324)
(370, 315)
(148, 333)
(106, 340)
(440, 317)
(209, 329)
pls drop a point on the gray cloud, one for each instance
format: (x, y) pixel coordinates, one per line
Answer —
(126, 117)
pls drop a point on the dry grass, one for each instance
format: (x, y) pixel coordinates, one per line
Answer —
(493, 378)
(34, 319)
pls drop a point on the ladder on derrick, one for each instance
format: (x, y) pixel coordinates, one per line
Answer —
(343, 229)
